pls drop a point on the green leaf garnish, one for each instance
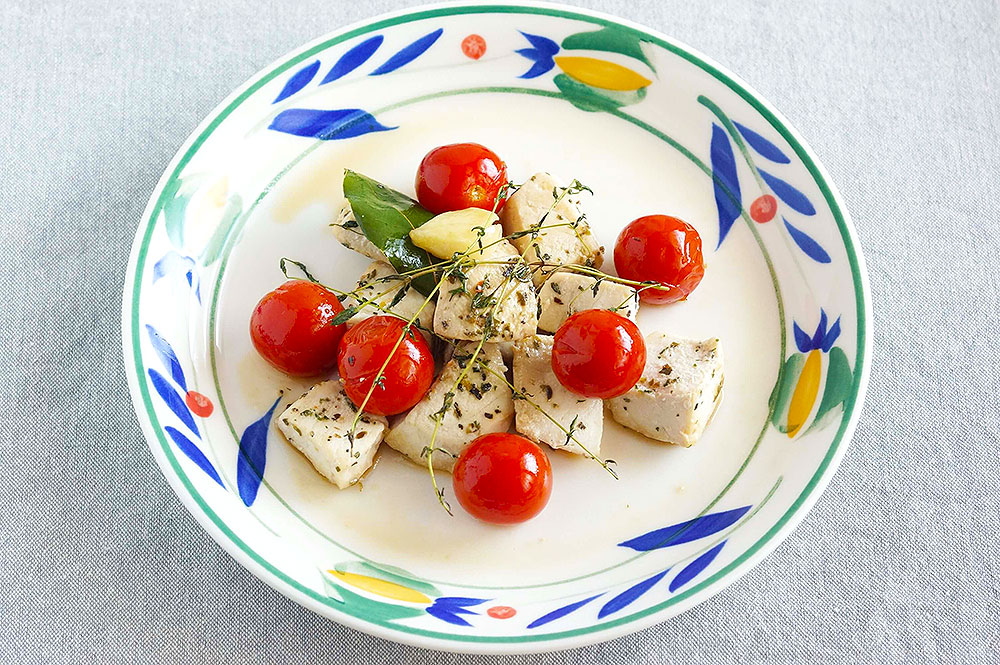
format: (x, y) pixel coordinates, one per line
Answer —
(386, 217)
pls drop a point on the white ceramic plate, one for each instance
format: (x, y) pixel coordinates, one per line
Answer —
(651, 126)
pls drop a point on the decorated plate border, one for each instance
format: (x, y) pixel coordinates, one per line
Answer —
(480, 643)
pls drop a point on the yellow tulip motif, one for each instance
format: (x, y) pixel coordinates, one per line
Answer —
(602, 74)
(818, 366)
(381, 587)
(412, 597)
(591, 83)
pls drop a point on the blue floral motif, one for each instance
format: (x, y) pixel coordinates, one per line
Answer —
(806, 243)
(561, 612)
(297, 81)
(408, 53)
(690, 571)
(685, 532)
(252, 457)
(353, 59)
(175, 401)
(795, 199)
(541, 52)
(725, 182)
(764, 147)
(448, 608)
(327, 125)
(822, 338)
(630, 595)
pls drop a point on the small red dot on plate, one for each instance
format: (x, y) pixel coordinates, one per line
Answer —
(763, 209)
(501, 612)
(474, 46)
(200, 405)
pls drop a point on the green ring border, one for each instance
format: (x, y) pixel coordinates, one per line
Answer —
(131, 332)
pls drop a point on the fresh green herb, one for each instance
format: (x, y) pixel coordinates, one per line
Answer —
(387, 217)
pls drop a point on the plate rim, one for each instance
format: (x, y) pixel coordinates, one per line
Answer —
(276, 579)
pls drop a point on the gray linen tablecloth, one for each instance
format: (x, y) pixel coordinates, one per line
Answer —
(100, 563)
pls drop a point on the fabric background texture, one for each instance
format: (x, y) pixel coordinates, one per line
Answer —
(897, 562)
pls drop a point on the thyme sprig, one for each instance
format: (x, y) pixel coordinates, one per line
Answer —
(457, 268)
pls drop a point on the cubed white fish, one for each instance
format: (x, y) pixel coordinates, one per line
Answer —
(380, 283)
(563, 235)
(318, 424)
(349, 234)
(565, 293)
(481, 404)
(533, 376)
(679, 392)
(464, 306)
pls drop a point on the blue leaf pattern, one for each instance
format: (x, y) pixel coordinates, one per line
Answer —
(194, 454)
(353, 59)
(728, 203)
(298, 80)
(540, 54)
(409, 53)
(795, 199)
(252, 457)
(447, 608)
(630, 595)
(802, 339)
(817, 340)
(173, 400)
(807, 244)
(763, 147)
(167, 356)
(831, 336)
(685, 532)
(561, 612)
(326, 125)
(692, 569)
(170, 263)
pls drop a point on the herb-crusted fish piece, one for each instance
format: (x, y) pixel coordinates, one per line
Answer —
(481, 404)
(563, 235)
(566, 293)
(381, 283)
(318, 423)
(678, 393)
(349, 234)
(496, 278)
(534, 377)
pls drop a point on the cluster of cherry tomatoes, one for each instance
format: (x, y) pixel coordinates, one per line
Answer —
(386, 367)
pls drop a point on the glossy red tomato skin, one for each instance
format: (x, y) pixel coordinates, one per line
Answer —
(460, 176)
(290, 328)
(664, 249)
(406, 378)
(597, 353)
(502, 478)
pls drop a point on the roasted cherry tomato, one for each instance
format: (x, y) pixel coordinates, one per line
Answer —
(406, 377)
(597, 353)
(663, 249)
(290, 328)
(460, 176)
(503, 478)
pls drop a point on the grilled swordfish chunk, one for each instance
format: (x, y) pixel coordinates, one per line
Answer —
(482, 404)
(534, 377)
(678, 393)
(566, 293)
(562, 234)
(318, 424)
